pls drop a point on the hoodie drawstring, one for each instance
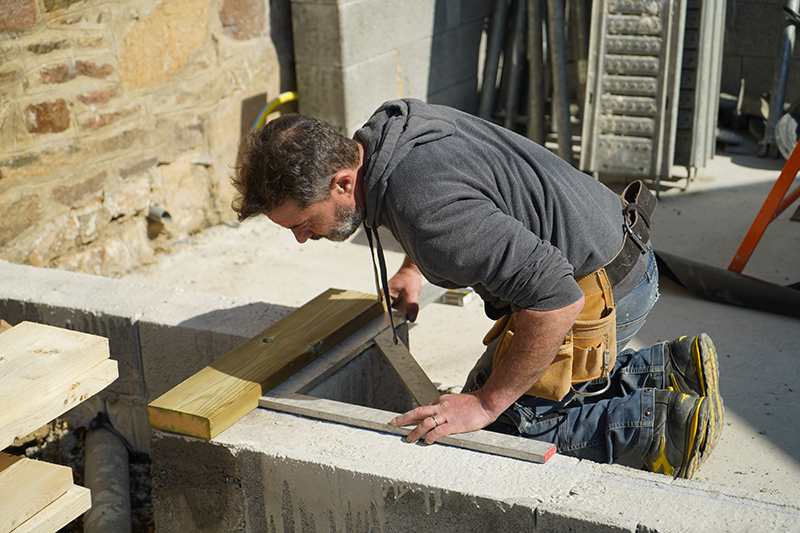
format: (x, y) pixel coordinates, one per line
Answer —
(383, 278)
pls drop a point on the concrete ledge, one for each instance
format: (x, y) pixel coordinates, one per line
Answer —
(158, 335)
(277, 472)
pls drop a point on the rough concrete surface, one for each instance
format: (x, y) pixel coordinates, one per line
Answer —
(758, 452)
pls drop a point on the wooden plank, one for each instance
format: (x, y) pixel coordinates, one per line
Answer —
(413, 377)
(76, 501)
(39, 362)
(220, 394)
(378, 420)
(27, 487)
(41, 409)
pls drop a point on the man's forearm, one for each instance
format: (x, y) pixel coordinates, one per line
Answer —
(537, 338)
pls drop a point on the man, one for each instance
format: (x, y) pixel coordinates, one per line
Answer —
(476, 205)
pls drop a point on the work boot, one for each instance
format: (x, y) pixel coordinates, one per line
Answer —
(685, 431)
(691, 366)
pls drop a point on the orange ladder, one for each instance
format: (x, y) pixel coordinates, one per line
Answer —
(776, 203)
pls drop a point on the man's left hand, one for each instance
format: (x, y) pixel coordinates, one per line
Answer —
(450, 413)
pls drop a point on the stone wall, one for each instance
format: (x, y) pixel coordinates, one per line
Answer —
(110, 107)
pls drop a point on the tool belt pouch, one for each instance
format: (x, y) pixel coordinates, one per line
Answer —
(588, 351)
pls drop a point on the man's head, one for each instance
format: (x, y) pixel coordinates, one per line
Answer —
(293, 162)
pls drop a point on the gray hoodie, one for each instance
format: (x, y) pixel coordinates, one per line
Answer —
(476, 205)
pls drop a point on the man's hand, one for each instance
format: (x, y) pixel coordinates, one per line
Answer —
(536, 341)
(404, 289)
(450, 413)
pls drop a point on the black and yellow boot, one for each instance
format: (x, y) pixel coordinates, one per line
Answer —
(685, 431)
(691, 366)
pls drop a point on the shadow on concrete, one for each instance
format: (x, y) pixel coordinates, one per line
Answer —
(243, 321)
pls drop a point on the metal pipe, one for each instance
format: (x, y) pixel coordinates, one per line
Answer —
(514, 65)
(106, 475)
(558, 47)
(535, 73)
(767, 144)
(494, 47)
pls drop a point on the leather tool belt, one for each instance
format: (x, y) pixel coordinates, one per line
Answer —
(589, 350)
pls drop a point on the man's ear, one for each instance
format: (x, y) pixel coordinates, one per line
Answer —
(344, 182)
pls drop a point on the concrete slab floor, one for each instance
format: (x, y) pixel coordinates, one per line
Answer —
(759, 358)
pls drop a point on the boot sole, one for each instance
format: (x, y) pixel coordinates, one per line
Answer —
(695, 438)
(705, 357)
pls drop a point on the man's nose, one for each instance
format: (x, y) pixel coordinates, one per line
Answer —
(302, 234)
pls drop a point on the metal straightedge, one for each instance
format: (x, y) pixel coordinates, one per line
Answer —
(310, 393)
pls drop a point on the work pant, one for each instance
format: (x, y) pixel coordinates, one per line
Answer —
(616, 426)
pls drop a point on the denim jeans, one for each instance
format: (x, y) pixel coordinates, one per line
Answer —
(616, 426)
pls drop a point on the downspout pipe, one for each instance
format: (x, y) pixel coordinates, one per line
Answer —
(106, 475)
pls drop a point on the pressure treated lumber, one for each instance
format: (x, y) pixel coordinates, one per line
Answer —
(45, 371)
(27, 487)
(220, 394)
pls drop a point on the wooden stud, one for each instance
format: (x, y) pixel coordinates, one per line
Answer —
(27, 487)
(220, 394)
(69, 506)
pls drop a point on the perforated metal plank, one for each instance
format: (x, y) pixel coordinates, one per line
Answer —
(632, 87)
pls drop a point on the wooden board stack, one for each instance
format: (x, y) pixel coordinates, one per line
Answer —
(44, 372)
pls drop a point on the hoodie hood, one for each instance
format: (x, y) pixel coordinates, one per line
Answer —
(389, 135)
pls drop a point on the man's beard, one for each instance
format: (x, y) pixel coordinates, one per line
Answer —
(348, 220)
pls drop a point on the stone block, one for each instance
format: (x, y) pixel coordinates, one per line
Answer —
(54, 242)
(242, 19)
(19, 216)
(55, 5)
(123, 245)
(17, 15)
(100, 96)
(68, 195)
(181, 25)
(139, 166)
(47, 117)
(99, 121)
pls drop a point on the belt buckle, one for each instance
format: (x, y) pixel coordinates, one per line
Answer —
(629, 230)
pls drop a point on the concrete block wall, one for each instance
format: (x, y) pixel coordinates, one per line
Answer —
(282, 473)
(353, 55)
(752, 37)
(109, 108)
(158, 335)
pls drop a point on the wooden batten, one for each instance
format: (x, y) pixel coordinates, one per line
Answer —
(220, 394)
(44, 372)
(27, 487)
